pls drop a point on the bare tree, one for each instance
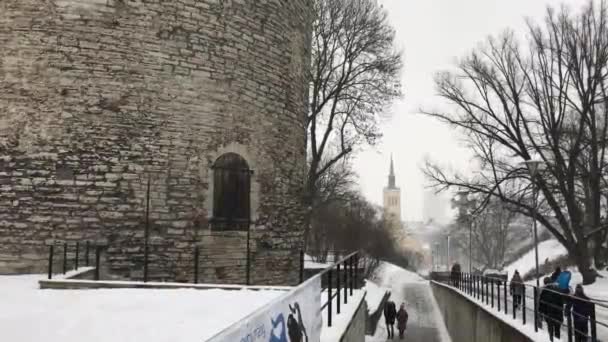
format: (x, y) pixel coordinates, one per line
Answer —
(346, 221)
(549, 101)
(354, 76)
(488, 231)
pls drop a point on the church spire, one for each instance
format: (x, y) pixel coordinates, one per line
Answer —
(391, 176)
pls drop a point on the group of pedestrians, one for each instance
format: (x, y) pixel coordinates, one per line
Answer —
(556, 302)
(391, 314)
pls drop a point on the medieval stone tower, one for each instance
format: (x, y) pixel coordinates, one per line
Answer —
(203, 99)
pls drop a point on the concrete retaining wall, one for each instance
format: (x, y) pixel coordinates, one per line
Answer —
(373, 317)
(466, 321)
(356, 328)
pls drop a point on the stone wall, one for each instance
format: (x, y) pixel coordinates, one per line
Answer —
(99, 96)
(467, 321)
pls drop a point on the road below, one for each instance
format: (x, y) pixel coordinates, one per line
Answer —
(425, 323)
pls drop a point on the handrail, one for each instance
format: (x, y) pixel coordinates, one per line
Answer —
(349, 272)
(341, 261)
(482, 288)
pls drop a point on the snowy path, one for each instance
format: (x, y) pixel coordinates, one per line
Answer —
(425, 323)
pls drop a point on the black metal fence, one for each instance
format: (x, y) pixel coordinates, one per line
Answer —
(64, 256)
(341, 278)
(73, 255)
(528, 304)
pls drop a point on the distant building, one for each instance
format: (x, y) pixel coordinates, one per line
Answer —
(435, 207)
(392, 198)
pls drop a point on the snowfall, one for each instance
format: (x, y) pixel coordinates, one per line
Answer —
(29, 314)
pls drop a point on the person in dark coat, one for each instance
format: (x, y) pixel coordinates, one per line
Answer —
(402, 317)
(390, 313)
(581, 309)
(455, 275)
(517, 288)
(551, 307)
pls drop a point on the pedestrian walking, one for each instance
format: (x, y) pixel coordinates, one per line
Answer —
(581, 309)
(390, 313)
(551, 307)
(402, 317)
(516, 289)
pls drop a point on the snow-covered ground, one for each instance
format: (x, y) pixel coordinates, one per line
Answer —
(374, 295)
(388, 275)
(28, 314)
(550, 249)
(309, 262)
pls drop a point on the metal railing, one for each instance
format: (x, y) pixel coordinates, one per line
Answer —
(64, 256)
(72, 254)
(346, 268)
(530, 305)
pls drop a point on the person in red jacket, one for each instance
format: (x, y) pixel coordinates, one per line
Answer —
(402, 317)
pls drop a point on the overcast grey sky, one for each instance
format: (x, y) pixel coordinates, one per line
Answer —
(432, 34)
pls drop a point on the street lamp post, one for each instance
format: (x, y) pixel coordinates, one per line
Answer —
(533, 168)
(437, 255)
(471, 246)
(447, 256)
(463, 199)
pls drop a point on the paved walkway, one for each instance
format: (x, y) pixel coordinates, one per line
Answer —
(423, 322)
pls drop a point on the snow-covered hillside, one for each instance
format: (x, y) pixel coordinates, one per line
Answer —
(547, 250)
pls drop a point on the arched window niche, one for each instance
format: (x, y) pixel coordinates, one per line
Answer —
(231, 194)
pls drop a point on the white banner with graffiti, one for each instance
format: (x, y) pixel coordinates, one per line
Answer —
(294, 317)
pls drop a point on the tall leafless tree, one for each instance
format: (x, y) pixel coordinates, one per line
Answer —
(488, 232)
(355, 73)
(547, 100)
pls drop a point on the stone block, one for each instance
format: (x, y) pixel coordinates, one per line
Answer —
(186, 99)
